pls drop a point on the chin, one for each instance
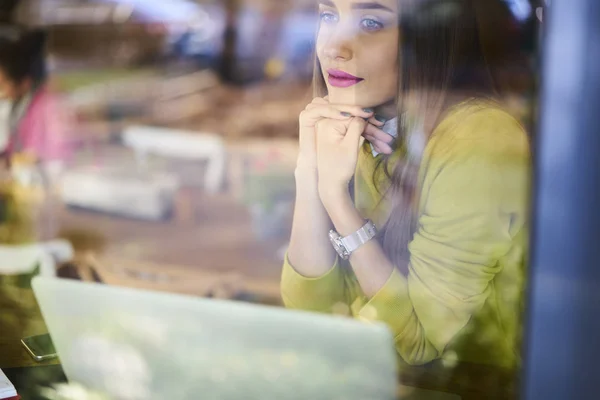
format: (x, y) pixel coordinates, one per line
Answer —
(345, 97)
(352, 97)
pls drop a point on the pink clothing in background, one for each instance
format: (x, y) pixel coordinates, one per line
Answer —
(45, 129)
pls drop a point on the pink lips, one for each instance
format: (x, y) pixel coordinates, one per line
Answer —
(342, 79)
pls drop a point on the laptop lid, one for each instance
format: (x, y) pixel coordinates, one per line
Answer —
(136, 344)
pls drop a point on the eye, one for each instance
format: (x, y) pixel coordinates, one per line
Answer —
(371, 25)
(328, 17)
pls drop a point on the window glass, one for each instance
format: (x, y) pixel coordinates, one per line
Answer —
(363, 165)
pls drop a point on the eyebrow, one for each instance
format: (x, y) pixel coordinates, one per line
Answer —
(371, 5)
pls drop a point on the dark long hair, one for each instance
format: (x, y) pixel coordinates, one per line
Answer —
(451, 51)
(22, 54)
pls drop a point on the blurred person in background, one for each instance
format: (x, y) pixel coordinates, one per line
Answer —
(38, 124)
(35, 145)
(407, 153)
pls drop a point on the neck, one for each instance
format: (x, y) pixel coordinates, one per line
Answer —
(387, 110)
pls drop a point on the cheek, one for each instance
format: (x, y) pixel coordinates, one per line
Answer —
(6, 92)
(320, 46)
(383, 62)
(319, 52)
(6, 87)
(323, 33)
(384, 55)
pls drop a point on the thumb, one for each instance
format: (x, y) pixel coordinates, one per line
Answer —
(355, 130)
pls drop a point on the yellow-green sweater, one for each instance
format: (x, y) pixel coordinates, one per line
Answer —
(462, 297)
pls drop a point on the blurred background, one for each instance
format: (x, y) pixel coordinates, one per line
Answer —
(182, 125)
(182, 119)
(222, 82)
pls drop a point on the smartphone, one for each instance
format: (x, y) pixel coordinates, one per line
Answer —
(40, 347)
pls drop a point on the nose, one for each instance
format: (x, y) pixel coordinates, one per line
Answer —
(339, 46)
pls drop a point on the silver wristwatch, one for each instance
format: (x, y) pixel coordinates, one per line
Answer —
(347, 245)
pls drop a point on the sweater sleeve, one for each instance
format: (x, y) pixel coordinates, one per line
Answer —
(321, 294)
(470, 196)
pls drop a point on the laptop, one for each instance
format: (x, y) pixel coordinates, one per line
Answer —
(136, 344)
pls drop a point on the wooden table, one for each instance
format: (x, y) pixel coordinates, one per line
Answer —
(21, 317)
(209, 235)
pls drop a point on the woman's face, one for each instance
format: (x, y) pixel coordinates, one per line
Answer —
(357, 48)
(10, 89)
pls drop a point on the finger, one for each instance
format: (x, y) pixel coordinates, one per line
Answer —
(373, 120)
(381, 147)
(352, 110)
(378, 145)
(355, 111)
(355, 131)
(312, 114)
(379, 134)
(370, 138)
(319, 100)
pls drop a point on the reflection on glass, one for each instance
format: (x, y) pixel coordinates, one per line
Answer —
(174, 146)
(418, 131)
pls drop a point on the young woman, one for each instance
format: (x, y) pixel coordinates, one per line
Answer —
(433, 223)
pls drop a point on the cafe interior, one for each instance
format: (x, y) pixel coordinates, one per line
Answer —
(154, 259)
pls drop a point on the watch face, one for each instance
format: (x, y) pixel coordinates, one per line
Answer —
(336, 241)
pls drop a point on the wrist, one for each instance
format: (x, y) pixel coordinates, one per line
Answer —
(306, 177)
(332, 196)
(306, 163)
(343, 214)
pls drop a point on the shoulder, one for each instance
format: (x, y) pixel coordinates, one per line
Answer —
(46, 107)
(46, 96)
(481, 130)
(479, 152)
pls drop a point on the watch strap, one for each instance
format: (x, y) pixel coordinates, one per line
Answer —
(353, 241)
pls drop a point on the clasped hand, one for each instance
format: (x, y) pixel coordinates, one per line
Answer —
(330, 138)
